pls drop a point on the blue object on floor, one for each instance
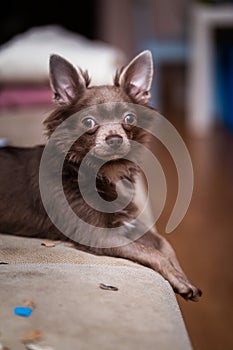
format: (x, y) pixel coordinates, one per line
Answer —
(22, 311)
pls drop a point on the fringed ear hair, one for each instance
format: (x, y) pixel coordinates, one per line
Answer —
(136, 77)
(67, 81)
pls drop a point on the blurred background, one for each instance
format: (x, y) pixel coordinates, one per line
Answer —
(192, 46)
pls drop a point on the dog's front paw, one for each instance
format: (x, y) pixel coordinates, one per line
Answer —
(192, 293)
(182, 286)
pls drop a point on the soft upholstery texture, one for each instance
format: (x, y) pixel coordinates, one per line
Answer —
(73, 312)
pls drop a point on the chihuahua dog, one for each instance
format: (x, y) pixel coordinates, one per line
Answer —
(106, 121)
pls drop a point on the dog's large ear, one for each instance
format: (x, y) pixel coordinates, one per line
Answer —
(136, 77)
(67, 81)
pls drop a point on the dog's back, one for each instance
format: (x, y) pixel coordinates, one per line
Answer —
(19, 190)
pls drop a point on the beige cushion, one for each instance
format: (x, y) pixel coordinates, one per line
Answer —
(73, 312)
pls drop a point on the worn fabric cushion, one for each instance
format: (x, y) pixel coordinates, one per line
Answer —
(72, 311)
(20, 250)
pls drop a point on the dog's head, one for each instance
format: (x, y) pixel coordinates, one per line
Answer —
(105, 116)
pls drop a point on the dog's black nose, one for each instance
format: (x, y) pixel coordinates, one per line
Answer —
(114, 141)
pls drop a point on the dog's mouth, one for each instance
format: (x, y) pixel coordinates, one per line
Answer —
(108, 154)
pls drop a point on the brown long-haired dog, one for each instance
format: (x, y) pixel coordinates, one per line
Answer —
(106, 121)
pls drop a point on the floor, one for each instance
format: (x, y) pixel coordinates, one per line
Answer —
(204, 239)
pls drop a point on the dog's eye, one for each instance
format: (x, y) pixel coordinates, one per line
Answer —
(89, 123)
(130, 119)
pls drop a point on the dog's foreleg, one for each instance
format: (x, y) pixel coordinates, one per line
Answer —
(159, 259)
(152, 238)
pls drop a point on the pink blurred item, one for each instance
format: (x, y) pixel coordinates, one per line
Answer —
(24, 96)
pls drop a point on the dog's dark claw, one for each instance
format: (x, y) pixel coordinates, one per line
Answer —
(192, 295)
